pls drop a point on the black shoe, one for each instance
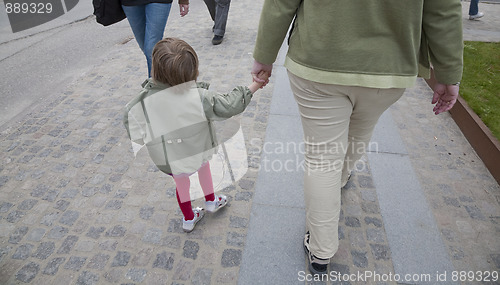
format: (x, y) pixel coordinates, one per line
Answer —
(316, 265)
(217, 40)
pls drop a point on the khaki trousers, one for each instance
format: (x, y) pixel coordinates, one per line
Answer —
(338, 122)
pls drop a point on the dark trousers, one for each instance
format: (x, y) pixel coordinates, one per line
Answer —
(219, 10)
(473, 7)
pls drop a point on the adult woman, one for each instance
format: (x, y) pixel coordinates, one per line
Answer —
(148, 18)
(348, 61)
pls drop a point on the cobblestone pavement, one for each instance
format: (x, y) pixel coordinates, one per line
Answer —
(77, 208)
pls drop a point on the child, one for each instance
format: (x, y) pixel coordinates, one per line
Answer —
(173, 117)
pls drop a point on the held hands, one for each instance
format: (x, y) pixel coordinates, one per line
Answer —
(184, 9)
(257, 68)
(263, 78)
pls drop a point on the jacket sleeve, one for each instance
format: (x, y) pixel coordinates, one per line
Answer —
(442, 33)
(222, 106)
(275, 19)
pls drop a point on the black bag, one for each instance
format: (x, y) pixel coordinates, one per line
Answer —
(108, 12)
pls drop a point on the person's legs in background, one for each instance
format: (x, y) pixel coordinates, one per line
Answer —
(221, 15)
(156, 20)
(473, 7)
(211, 9)
(148, 24)
(136, 16)
(474, 10)
(219, 11)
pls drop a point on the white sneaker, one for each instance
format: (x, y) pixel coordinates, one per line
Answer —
(215, 205)
(477, 16)
(188, 225)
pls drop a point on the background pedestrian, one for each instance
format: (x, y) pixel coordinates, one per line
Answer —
(219, 11)
(148, 19)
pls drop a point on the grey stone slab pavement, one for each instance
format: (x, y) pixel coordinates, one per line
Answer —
(76, 207)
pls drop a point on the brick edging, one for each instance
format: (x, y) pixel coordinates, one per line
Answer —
(479, 136)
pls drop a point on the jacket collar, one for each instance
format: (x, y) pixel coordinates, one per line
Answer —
(151, 84)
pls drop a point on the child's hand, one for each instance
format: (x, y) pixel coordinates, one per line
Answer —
(262, 75)
(257, 67)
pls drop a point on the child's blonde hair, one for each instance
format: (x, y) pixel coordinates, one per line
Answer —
(174, 62)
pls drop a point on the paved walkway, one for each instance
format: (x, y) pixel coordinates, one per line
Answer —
(77, 208)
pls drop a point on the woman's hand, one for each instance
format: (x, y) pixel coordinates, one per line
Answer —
(445, 96)
(256, 70)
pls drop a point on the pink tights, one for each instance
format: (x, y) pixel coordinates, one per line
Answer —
(183, 184)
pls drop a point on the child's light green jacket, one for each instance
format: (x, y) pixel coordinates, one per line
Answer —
(175, 122)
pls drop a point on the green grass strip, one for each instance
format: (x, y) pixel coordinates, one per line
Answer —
(480, 85)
